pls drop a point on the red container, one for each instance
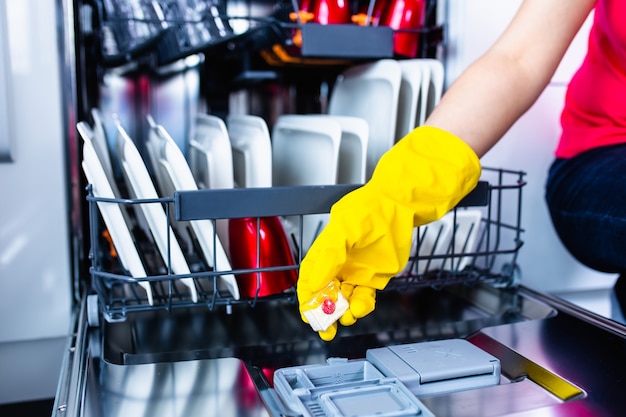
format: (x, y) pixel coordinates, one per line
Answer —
(404, 14)
(273, 250)
(328, 12)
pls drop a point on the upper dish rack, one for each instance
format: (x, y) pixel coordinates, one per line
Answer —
(478, 241)
(160, 33)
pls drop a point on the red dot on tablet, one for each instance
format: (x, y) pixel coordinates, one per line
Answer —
(328, 306)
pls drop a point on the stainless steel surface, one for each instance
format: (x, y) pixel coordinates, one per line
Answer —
(219, 387)
(557, 360)
(504, 399)
(174, 358)
(582, 347)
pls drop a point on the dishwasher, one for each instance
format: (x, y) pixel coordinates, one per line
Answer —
(456, 333)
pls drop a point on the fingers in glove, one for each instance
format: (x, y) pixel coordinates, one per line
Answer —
(328, 334)
(362, 302)
(347, 319)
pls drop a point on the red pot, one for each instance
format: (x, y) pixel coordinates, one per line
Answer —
(404, 14)
(327, 12)
(273, 250)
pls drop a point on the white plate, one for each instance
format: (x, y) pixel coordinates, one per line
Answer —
(211, 161)
(409, 100)
(422, 108)
(434, 239)
(211, 154)
(435, 89)
(305, 152)
(153, 146)
(463, 240)
(89, 135)
(174, 164)
(441, 238)
(166, 188)
(430, 87)
(101, 145)
(143, 188)
(352, 148)
(370, 91)
(252, 150)
(113, 217)
(97, 138)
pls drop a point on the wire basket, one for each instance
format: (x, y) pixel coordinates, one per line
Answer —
(478, 241)
(161, 33)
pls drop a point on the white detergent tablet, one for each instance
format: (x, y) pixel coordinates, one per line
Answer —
(326, 313)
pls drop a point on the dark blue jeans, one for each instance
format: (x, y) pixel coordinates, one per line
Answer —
(586, 196)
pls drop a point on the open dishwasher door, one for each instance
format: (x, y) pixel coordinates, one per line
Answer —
(219, 355)
(211, 371)
(186, 350)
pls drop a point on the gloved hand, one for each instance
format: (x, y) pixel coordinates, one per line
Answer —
(367, 240)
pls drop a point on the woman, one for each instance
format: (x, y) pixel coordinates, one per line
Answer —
(368, 237)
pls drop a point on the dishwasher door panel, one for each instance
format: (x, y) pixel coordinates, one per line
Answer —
(188, 361)
(557, 360)
(211, 387)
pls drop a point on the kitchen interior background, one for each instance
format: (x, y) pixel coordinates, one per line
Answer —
(35, 244)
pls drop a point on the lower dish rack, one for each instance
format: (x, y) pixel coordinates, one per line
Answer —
(265, 233)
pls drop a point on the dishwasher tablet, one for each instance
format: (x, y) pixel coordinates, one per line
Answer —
(388, 381)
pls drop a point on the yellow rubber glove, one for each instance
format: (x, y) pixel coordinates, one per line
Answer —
(367, 240)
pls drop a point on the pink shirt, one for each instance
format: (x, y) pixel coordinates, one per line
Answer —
(595, 104)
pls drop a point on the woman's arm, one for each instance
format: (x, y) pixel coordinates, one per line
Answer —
(483, 103)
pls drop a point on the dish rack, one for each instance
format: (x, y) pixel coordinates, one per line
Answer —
(169, 33)
(444, 252)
